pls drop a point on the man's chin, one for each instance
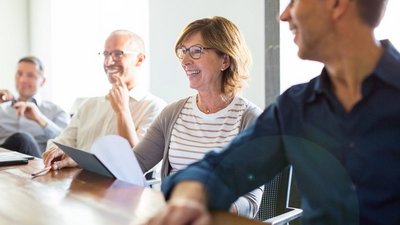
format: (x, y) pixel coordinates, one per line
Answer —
(111, 78)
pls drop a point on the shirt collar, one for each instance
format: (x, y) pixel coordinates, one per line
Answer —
(319, 85)
(37, 99)
(387, 70)
(137, 93)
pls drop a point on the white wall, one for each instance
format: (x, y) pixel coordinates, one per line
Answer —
(68, 34)
(294, 70)
(14, 38)
(169, 17)
(40, 39)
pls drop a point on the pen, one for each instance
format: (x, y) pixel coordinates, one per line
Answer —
(42, 171)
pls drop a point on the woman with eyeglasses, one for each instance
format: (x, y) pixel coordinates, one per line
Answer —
(215, 58)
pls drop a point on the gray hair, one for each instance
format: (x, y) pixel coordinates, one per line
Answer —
(135, 41)
(33, 60)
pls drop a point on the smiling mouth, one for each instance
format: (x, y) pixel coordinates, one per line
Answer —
(112, 71)
(192, 72)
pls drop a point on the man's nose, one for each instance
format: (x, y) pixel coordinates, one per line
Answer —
(109, 60)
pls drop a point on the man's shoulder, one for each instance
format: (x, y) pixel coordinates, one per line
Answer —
(298, 94)
(49, 105)
(152, 99)
(90, 103)
(298, 89)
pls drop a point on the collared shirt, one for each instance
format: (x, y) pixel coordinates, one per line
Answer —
(57, 119)
(96, 118)
(346, 164)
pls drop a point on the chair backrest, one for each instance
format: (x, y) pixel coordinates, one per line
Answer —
(276, 195)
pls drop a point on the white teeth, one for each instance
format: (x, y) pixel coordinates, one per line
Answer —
(112, 71)
(192, 72)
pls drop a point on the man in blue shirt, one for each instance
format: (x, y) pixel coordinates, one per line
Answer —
(340, 131)
(27, 121)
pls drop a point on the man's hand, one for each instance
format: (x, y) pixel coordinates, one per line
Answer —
(5, 96)
(30, 111)
(186, 206)
(119, 100)
(57, 159)
(119, 96)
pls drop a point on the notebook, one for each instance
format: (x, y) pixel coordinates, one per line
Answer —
(86, 160)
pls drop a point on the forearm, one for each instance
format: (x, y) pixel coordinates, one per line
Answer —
(42, 121)
(191, 191)
(225, 174)
(126, 128)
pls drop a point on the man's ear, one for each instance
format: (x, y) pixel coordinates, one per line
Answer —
(43, 81)
(340, 7)
(140, 59)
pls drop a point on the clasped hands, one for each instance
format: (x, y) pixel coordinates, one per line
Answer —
(30, 111)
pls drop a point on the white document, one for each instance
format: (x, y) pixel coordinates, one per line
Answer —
(110, 156)
(117, 155)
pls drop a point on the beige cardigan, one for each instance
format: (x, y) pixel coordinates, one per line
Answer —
(154, 146)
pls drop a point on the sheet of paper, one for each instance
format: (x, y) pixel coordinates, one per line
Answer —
(117, 155)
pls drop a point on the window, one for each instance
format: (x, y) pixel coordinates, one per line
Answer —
(295, 71)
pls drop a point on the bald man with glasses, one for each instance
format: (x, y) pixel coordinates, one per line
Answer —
(127, 110)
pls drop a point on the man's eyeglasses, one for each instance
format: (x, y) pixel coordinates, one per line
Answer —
(116, 54)
(195, 51)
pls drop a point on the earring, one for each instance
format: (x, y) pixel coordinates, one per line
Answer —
(222, 69)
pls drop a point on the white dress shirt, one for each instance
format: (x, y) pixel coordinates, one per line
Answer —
(57, 119)
(96, 118)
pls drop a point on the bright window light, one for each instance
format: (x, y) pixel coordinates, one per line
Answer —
(294, 70)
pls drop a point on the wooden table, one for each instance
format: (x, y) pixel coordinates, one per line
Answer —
(71, 196)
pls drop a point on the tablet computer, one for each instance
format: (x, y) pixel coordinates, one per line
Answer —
(86, 160)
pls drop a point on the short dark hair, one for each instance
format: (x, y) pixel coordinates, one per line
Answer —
(34, 60)
(372, 11)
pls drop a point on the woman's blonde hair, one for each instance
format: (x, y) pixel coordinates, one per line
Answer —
(223, 35)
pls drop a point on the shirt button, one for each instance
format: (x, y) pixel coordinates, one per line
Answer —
(353, 187)
(352, 144)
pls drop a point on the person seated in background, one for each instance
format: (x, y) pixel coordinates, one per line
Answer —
(127, 110)
(27, 122)
(215, 59)
(340, 131)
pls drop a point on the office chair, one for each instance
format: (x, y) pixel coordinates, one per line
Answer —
(274, 208)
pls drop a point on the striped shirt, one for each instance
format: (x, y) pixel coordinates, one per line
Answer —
(196, 133)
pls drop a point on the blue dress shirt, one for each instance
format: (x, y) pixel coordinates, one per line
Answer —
(346, 164)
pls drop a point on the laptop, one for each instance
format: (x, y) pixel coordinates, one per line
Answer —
(86, 160)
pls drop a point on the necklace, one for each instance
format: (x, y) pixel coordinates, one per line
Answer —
(225, 102)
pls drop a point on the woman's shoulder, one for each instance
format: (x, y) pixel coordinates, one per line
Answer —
(250, 114)
(175, 107)
(250, 107)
